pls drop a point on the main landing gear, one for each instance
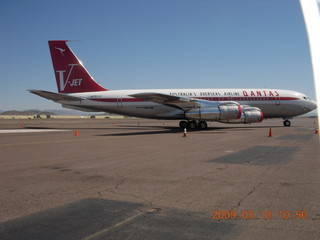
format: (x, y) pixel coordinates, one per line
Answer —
(193, 124)
(286, 123)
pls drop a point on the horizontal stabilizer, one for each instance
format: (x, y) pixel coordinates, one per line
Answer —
(55, 96)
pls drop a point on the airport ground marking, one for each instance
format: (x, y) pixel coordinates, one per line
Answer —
(119, 224)
(48, 142)
(31, 130)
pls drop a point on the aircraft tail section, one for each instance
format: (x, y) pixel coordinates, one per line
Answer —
(71, 75)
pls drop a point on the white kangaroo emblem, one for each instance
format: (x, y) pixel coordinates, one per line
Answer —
(61, 50)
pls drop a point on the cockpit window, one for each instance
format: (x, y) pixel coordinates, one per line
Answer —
(305, 98)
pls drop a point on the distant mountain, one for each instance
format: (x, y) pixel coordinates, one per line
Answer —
(27, 112)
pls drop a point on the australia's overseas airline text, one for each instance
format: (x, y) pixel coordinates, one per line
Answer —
(254, 93)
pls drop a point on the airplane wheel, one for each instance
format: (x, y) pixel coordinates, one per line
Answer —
(203, 125)
(286, 123)
(192, 125)
(183, 124)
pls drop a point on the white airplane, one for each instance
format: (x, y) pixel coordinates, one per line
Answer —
(194, 107)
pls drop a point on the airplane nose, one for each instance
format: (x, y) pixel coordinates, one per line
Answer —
(309, 106)
(313, 105)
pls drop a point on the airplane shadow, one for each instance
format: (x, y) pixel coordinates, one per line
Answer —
(156, 130)
(146, 131)
(174, 130)
(96, 218)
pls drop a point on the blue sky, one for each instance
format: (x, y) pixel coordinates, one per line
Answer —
(139, 44)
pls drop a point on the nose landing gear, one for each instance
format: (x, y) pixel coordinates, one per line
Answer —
(286, 123)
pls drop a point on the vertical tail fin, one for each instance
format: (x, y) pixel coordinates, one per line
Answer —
(71, 75)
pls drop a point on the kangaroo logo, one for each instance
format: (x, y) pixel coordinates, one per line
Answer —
(71, 83)
(61, 50)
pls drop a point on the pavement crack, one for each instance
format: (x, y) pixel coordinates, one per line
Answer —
(134, 196)
(116, 188)
(122, 180)
(247, 195)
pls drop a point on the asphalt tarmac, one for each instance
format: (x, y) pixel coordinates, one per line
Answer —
(141, 179)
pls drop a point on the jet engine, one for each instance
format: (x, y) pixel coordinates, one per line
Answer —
(217, 113)
(249, 115)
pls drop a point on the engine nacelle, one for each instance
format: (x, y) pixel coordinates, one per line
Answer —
(219, 113)
(249, 115)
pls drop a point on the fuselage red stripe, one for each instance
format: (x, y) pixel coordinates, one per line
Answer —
(202, 98)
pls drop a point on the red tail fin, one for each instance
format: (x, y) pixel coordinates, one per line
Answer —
(70, 74)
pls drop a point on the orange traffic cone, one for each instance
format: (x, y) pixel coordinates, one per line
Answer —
(76, 133)
(185, 132)
(317, 131)
(270, 132)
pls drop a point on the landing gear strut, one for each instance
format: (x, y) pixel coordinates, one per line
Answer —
(286, 123)
(193, 124)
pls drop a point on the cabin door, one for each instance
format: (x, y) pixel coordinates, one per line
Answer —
(119, 102)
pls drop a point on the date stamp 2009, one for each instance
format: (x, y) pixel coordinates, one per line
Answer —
(266, 214)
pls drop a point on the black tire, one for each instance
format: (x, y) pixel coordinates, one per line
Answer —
(192, 125)
(286, 123)
(203, 125)
(183, 124)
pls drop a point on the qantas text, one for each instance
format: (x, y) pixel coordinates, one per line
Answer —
(262, 93)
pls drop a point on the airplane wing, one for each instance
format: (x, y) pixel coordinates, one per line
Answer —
(184, 103)
(55, 96)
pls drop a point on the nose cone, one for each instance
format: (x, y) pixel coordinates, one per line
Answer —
(308, 106)
(312, 105)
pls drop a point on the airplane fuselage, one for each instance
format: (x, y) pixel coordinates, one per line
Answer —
(274, 103)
